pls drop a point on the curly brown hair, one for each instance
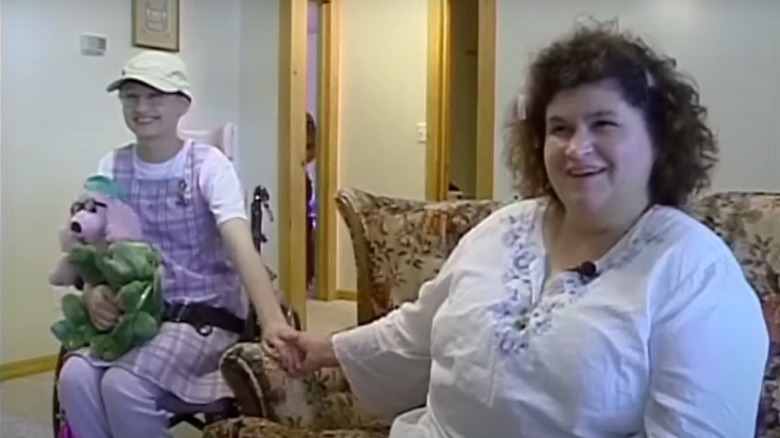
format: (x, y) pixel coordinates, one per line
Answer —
(685, 148)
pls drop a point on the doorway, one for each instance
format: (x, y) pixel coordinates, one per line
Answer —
(461, 99)
(309, 25)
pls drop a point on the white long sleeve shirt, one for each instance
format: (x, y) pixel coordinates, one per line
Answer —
(667, 341)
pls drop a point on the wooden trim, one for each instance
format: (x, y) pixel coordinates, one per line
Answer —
(348, 295)
(439, 99)
(328, 150)
(439, 67)
(28, 367)
(293, 37)
(486, 99)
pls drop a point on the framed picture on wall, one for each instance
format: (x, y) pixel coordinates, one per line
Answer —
(156, 24)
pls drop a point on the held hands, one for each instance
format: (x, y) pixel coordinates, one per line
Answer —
(312, 351)
(285, 354)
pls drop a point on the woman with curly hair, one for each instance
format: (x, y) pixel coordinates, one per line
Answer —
(595, 307)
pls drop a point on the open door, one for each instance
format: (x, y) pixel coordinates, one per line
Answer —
(292, 140)
(322, 146)
(327, 140)
(308, 46)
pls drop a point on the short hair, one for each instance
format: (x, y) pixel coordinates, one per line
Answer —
(685, 148)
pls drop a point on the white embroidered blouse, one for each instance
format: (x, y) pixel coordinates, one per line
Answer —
(667, 341)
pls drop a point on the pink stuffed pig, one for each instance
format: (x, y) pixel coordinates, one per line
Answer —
(99, 217)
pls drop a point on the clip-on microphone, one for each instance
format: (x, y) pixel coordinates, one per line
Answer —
(587, 270)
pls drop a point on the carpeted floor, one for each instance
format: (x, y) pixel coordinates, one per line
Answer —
(18, 427)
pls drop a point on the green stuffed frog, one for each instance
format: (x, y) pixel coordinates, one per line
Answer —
(104, 246)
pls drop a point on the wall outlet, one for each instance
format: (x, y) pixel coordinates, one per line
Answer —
(422, 132)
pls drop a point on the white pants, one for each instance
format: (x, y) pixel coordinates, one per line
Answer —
(110, 403)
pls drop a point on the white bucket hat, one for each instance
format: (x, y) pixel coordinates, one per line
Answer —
(160, 70)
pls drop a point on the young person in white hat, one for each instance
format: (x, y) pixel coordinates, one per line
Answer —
(192, 207)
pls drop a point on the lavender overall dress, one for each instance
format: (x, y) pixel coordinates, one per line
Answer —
(177, 221)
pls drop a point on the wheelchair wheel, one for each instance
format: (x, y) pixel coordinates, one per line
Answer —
(56, 410)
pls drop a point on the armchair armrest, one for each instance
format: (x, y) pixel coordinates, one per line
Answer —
(242, 364)
(321, 401)
(242, 368)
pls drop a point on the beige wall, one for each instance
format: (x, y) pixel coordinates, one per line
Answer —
(383, 78)
(58, 121)
(732, 49)
(312, 55)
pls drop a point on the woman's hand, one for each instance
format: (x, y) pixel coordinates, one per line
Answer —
(102, 307)
(316, 351)
(285, 353)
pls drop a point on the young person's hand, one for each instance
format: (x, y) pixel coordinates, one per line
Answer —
(285, 353)
(316, 351)
(102, 307)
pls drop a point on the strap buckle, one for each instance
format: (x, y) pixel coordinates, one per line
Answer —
(204, 329)
(197, 322)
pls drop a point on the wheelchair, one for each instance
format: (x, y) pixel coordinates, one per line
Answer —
(199, 416)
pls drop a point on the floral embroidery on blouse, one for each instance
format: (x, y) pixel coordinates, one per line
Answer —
(516, 318)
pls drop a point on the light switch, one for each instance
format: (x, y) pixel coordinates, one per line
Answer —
(422, 132)
(520, 112)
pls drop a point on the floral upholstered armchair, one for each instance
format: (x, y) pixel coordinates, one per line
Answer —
(399, 244)
(749, 222)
